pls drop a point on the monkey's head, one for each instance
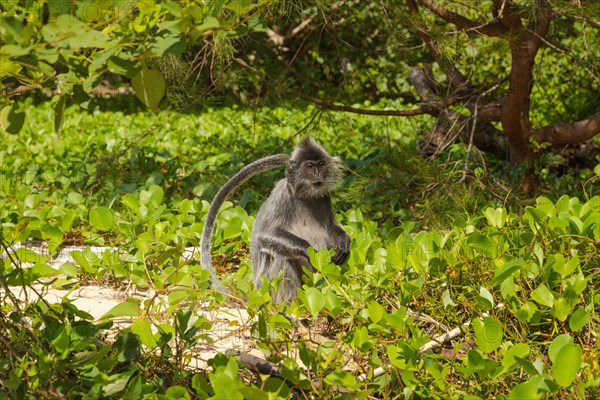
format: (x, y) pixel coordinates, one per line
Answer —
(311, 171)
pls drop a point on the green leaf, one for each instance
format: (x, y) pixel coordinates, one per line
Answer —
(134, 388)
(177, 393)
(128, 346)
(28, 256)
(89, 38)
(62, 341)
(562, 309)
(12, 120)
(127, 308)
(401, 355)
(209, 23)
(521, 350)
(69, 270)
(154, 194)
(279, 321)
(168, 45)
(112, 388)
(315, 301)
(570, 266)
(9, 68)
(225, 380)
(488, 333)
(342, 379)
(102, 218)
(524, 391)
(558, 343)
(130, 201)
(528, 366)
(507, 270)
(82, 260)
(578, 319)
(508, 289)
(527, 311)
(447, 300)
(68, 220)
(567, 365)
(376, 311)
(59, 113)
(361, 339)
(542, 295)
(201, 386)
(149, 86)
(15, 27)
(475, 359)
(485, 299)
(123, 67)
(496, 217)
(43, 270)
(144, 331)
(75, 198)
(51, 232)
(483, 244)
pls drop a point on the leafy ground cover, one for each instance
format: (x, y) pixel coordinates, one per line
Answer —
(436, 245)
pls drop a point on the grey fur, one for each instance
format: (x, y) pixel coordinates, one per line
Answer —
(264, 164)
(296, 215)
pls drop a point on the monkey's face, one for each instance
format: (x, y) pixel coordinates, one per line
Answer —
(312, 172)
(313, 178)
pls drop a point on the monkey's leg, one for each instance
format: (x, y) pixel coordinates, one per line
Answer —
(270, 265)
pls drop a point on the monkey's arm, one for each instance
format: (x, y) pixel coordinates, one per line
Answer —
(285, 243)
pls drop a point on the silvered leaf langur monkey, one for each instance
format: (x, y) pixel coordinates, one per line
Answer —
(296, 216)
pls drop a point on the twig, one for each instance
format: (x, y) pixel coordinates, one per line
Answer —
(438, 340)
(327, 105)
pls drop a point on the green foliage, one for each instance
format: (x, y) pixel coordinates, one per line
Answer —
(68, 48)
(519, 279)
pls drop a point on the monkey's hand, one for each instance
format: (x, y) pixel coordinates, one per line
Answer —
(341, 246)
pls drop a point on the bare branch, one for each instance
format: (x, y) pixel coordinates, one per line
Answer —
(328, 105)
(19, 90)
(456, 78)
(562, 134)
(488, 112)
(256, 364)
(425, 87)
(493, 28)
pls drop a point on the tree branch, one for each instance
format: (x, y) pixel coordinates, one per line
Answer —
(456, 79)
(562, 134)
(328, 105)
(493, 28)
(538, 27)
(425, 87)
(510, 14)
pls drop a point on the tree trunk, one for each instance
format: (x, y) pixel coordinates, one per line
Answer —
(515, 109)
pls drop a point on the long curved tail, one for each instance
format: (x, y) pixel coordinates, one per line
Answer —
(258, 166)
